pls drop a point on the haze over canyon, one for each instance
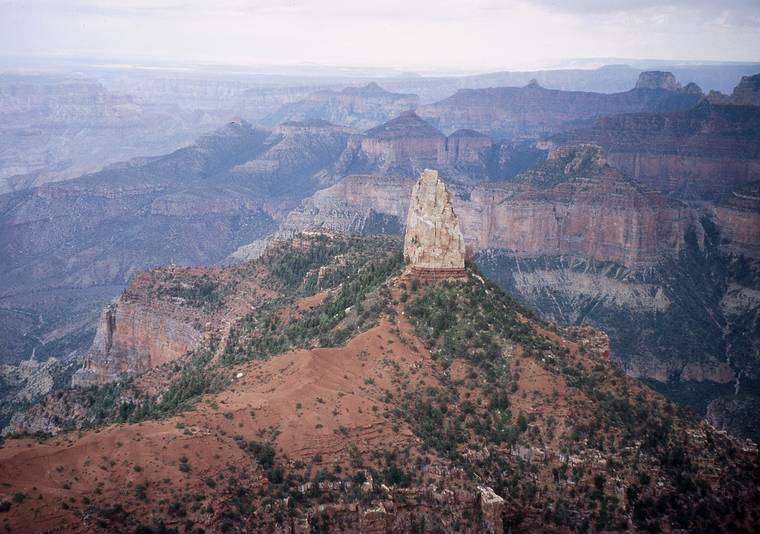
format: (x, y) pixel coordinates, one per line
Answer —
(307, 298)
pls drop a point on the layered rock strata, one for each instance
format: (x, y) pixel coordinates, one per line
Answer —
(574, 205)
(433, 243)
(407, 144)
(747, 93)
(534, 111)
(135, 335)
(700, 154)
(738, 219)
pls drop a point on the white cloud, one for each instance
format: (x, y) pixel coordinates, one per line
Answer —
(480, 34)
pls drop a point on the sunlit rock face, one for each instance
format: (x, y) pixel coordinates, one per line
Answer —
(433, 244)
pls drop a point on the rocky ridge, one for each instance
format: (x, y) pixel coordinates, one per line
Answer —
(702, 153)
(533, 111)
(360, 108)
(737, 216)
(582, 243)
(442, 404)
(746, 93)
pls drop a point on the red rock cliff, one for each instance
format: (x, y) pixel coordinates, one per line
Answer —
(574, 205)
(136, 333)
(702, 154)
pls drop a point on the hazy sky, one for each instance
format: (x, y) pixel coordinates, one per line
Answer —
(411, 34)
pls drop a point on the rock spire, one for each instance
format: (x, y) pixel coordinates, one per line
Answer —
(433, 244)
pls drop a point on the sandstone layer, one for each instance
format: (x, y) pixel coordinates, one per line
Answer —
(163, 315)
(136, 333)
(574, 205)
(408, 144)
(700, 154)
(747, 93)
(433, 243)
(738, 219)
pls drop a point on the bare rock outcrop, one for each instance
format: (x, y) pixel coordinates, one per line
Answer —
(433, 243)
(407, 144)
(703, 153)
(747, 93)
(574, 205)
(133, 337)
(738, 217)
(657, 79)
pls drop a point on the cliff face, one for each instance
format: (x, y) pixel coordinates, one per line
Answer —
(423, 395)
(133, 337)
(407, 144)
(433, 241)
(149, 325)
(532, 111)
(582, 243)
(574, 205)
(738, 219)
(700, 154)
(166, 313)
(81, 241)
(406, 140)
(656, 79)
(747, 93)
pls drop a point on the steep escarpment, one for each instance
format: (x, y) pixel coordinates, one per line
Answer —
(132, 337)
(688, 325)
(407, 144)
(365, 401)
(533, 111)
(167, 313)
(405, 140)
(572, 205)
(737, 216)
(675, 287)
(700, 154)
(576, 205)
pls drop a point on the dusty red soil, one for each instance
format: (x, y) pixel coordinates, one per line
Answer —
(307, 401)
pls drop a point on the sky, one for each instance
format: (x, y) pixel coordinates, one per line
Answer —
(419, 35)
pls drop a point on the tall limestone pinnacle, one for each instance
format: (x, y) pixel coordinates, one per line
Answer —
(433, 245)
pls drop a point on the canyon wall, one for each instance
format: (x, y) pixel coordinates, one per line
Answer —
(533, 111)
(738, 219)
(133, 337)
(700, 154)
(593, 213)
(360, 108)
(148, 325)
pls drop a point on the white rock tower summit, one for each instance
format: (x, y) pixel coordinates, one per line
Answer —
(434, 247)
